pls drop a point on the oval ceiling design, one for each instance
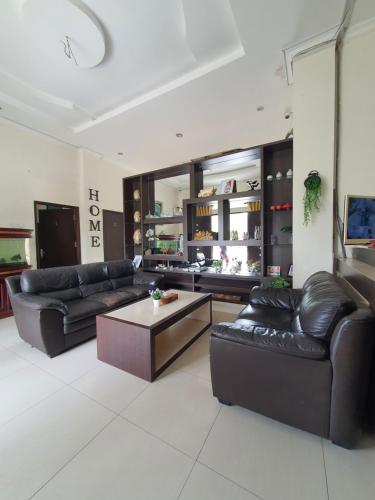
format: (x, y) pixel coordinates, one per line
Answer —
(68, 28)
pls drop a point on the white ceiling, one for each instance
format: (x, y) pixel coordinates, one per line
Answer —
(200, 67)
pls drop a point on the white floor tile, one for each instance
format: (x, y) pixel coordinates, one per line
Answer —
(270, 459)
(204, 484)
(351, 473)
(72, 364)
(178, 408)
(10, 363)
(25, 351)
(8, 332)
(38, 443)
(23, 389)
(122, 462)
(110, 386)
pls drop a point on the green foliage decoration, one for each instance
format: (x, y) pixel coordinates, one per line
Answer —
(311, 199)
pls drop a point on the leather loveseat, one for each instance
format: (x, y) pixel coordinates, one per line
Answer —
(302, 357)
(56, 308)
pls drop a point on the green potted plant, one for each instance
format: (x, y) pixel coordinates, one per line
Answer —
(279, 283)
(156, 295)
(217, 265)
(311, 198)
(253, 266)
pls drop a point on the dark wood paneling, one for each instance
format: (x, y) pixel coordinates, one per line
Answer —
(113, 235)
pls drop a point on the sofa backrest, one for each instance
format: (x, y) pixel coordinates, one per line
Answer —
(56, 282)
(120, 272)
(93, 278)
(323, 304)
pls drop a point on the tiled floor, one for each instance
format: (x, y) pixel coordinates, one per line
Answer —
(75, 428)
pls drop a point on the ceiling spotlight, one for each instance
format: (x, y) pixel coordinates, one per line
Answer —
(179, 135)
(260, 108)
(120, 153)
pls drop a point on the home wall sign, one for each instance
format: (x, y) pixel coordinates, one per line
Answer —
(94, 221)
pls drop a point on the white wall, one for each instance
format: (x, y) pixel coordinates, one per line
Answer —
(356, 165)
(33, 167)
(314, 121)
(98, 174)
(36, 168)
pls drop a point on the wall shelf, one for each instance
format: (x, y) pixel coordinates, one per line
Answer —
(229, 213)
(177, 258)
(164, 220)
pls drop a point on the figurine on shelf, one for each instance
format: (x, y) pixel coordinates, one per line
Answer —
(234, 235)
(289, 174)
(279, 176)
(150, 234)
(253, 184)
(269, 178)
(206, 192)
(245, 236)
(257, 233)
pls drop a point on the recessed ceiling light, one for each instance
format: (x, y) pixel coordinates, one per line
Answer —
(120, 153)
(260, 108)
(179, 135)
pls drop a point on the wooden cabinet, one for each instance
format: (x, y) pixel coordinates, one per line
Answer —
(13, 260)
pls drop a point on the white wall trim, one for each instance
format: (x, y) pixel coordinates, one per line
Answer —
(320, 40)
(360, 29)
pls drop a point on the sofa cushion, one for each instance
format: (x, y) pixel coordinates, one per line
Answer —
(112, 298)
(120, 272)
(64, 295)
(271, 339)
(135, 292)
(281, 298)
(50, 280)
(82, 308)
(93, 278)
(324, 302)
(271, 317)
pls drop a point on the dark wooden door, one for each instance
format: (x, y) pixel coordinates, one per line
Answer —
(113, 235)
(57, 237)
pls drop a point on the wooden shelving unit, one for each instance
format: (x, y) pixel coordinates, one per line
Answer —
(272, 246)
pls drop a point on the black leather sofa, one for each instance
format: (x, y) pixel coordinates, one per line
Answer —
(302, 357)
(56, 308)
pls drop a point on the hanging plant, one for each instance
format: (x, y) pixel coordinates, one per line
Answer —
(311, 198)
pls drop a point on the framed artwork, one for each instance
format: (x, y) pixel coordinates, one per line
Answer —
(273, 271)
(290, 272)
(227, 187)
(158, 208)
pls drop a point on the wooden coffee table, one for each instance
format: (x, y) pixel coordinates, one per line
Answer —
(143, 340)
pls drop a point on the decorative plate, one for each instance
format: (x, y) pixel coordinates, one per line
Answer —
(137, 237)
(137, 216)
(136, 194)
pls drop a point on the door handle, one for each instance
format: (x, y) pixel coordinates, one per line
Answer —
(42, 253)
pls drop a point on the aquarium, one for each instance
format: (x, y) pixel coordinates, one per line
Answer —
(14, 252)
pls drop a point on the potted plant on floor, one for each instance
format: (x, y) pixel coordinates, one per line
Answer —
(156, 295)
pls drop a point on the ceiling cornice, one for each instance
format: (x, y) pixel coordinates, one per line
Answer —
(304, 46)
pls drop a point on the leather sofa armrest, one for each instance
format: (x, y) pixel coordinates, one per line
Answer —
(151, 279)
(39, 302)
(352, 356)
(270, 339)
(282, 298)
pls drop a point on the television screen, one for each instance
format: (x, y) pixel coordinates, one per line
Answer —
(359, 219)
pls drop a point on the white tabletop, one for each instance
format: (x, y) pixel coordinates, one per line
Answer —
(144, 313)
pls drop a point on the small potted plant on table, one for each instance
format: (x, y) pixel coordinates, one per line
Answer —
(156, 295)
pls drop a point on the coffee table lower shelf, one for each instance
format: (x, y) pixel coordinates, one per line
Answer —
(145, 351)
